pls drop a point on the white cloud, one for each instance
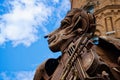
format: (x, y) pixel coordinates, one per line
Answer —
(20, 25)
(65, 6)
(26, 18)
(3, 76)
(61, 11)
(21, 75)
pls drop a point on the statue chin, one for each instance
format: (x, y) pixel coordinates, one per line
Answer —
(56, 44)
(54, 47)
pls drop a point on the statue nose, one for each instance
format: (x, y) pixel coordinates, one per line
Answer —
(46, 36)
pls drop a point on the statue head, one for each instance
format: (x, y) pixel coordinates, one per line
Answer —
(76, 22)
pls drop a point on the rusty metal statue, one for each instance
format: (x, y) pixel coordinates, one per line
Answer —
(79, 60)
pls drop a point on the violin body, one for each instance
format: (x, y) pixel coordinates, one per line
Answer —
(86, 59)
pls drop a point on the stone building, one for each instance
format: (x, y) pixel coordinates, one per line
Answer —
(107, 13)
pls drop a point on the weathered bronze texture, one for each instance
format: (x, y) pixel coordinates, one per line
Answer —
(81, 59)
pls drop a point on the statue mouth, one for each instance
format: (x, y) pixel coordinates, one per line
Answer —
(51, 39)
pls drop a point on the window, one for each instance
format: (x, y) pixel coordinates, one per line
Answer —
(109, 26)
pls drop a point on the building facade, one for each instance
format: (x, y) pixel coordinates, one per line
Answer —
(107, 13)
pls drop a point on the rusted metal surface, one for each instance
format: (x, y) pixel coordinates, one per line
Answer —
(80, 59)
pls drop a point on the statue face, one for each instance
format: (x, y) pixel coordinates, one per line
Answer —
(56, 39)
(75, 23)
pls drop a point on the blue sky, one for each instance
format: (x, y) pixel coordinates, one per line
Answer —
(23, 25)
